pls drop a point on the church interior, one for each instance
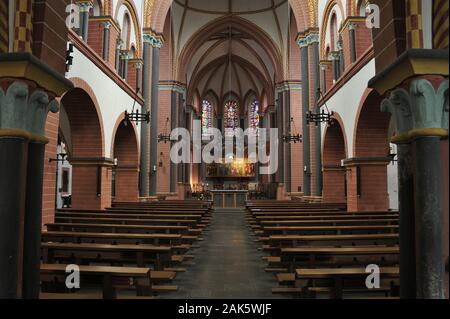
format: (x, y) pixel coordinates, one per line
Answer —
(344, 194)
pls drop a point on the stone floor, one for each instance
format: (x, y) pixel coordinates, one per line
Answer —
(227, 264)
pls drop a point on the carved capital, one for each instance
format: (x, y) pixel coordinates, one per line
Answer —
(21, 111)
(423, 111)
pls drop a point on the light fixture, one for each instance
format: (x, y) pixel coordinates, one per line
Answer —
(61, 157)
(324, 116)
(393, 156)
(165, 136)
(292, 137)
(69, 56)
(136, 116)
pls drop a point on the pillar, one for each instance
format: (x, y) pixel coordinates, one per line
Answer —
(287, 121)
(23, 115)
(302, 42)
(280, 107)
(314, 42)
(352, 37)
(106, 33)
(118, 50)
(420, 108)
(85, 7)
(173, 125)
(144, 160)
(91, 182)
(156, 44)
(181, 108)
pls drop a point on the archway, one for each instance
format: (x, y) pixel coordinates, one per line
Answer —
(91, 171)
(126, 170)
(334, 173)
(367, 171)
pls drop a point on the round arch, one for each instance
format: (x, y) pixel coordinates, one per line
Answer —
(305, 12)
(134, 20)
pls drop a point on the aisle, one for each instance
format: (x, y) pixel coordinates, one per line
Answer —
(227, 264)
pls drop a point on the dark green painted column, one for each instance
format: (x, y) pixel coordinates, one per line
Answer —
(180, 177)
(318, 128)
(173, 125)
(33, 221)
(280, 125)
(144, 162)
(154, 121)
(305, 108)
(287, 121)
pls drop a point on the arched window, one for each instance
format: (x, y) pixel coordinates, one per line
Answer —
(362, 7)
(207, 117)
(231, 115)
(253, 114)
(125, 36)
(334, 30)
(96, 10)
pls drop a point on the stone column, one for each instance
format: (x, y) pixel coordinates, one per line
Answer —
(422, 119)
(352, 35)
(302, 42)
(394, 105)
(146, 87)
(187, 175)
(118, 50)
(23, 115)
(334, 57)
(156, 43)
(287, 121)
(280, 107)
(314, 42)
(85, 7)
(181, 107)
(106, 32)
(324, 87)
(173, 125)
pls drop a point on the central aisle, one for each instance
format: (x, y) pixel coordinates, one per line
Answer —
(227, 264)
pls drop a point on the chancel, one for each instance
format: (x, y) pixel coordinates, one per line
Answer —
(224, 149)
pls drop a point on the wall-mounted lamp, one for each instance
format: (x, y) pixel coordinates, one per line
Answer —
(61, 157)
(161, 159)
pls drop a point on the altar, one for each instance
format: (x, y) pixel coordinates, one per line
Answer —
(229, 198)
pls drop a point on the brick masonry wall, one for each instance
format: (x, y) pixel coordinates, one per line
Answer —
(49, 180)
(50, 33)
(95, 37)
(334, 186)
(390, 40)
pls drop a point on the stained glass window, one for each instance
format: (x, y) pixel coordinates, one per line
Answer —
(207, 117)
(231, 115)
(253, 114)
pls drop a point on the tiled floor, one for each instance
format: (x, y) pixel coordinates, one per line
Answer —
(227, 264)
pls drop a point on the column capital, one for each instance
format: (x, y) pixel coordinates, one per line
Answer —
(421, 111)
(85, 6)
(334, 56)
(303, 40)
(156, 41)
(24, 113)
(106, 25)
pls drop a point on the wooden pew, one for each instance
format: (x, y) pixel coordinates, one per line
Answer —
(160, 256)
(334, 222)
(341, 279)
(290, 257)
(197, 217)
(116, 228)
(330, 230)
(128, 221)
(333, 240)
(103, 275)
(112, 238)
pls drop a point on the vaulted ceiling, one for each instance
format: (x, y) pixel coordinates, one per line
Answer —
(230, 45)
